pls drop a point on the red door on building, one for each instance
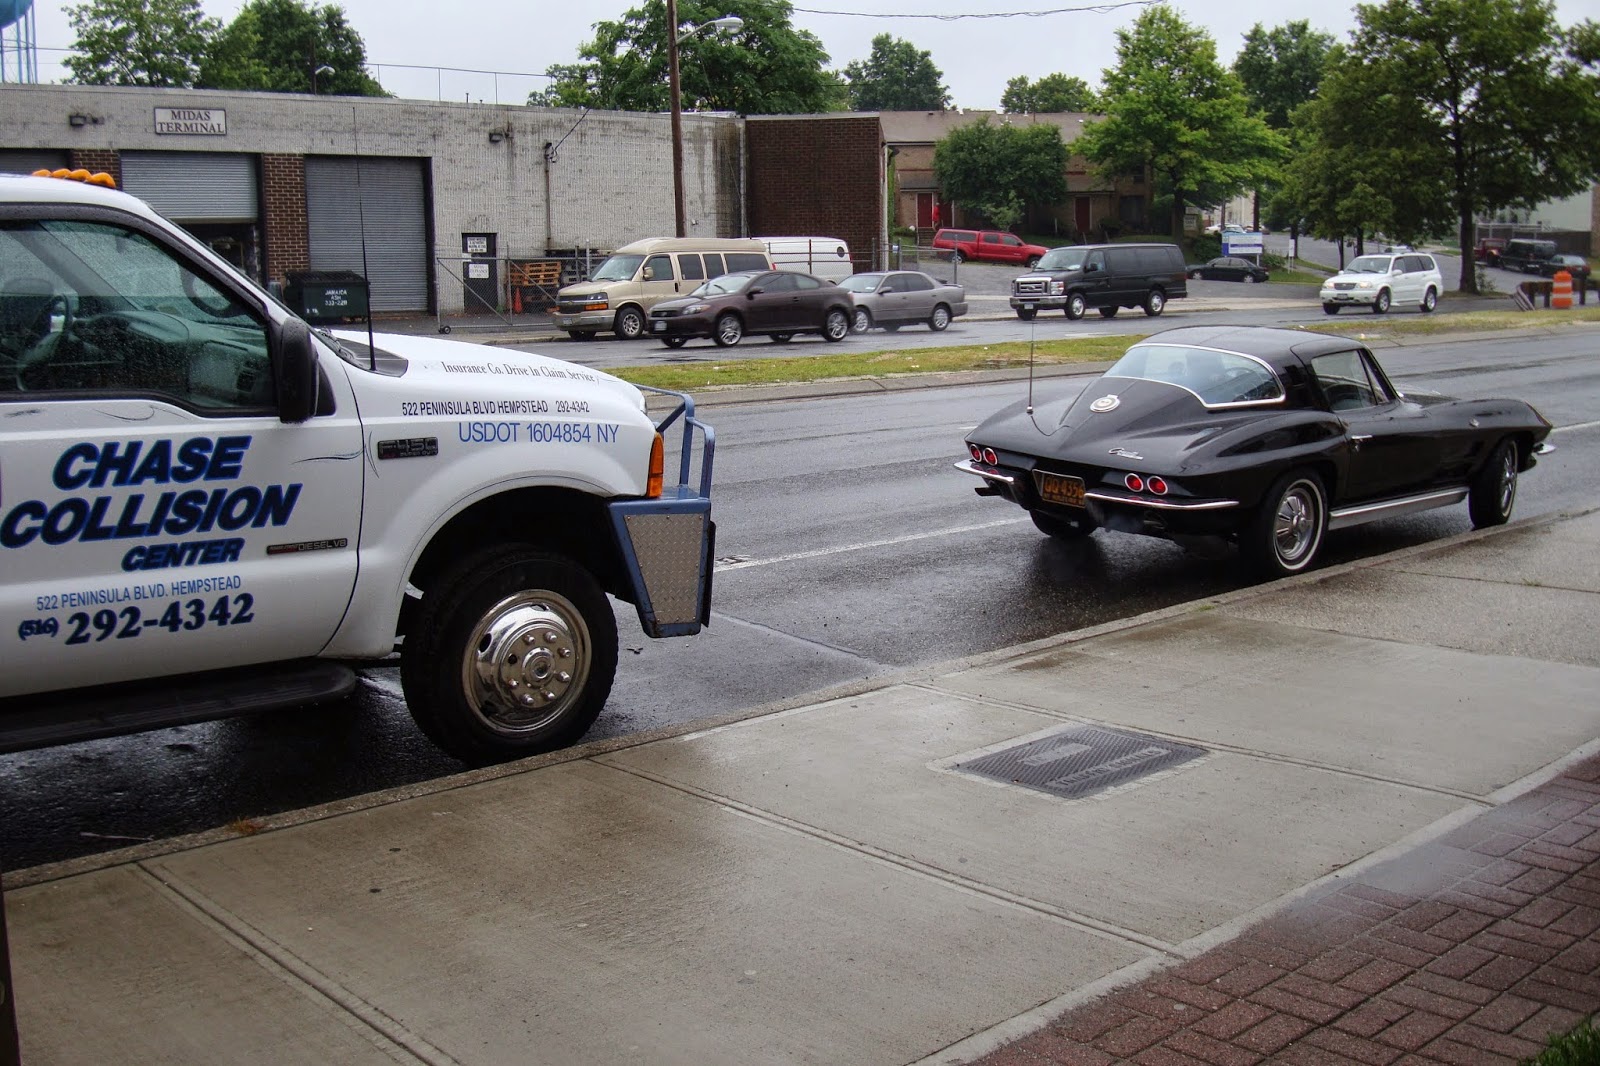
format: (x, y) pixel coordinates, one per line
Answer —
(1080, 213)
(925, 205)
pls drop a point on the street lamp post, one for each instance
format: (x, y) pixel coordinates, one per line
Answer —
(728, 22)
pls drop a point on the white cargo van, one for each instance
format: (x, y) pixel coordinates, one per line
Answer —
(618, 296)
(826, 257)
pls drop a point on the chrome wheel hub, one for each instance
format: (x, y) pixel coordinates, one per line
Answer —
(527, 662)
(1296, 526)
(1508, 480)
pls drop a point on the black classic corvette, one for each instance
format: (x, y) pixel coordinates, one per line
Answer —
(1267, 437)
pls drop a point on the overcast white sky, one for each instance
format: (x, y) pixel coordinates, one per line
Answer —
(977, 55)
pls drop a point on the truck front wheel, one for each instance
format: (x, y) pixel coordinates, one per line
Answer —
(513, 653)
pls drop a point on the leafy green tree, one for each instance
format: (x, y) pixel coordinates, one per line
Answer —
(1365, 162)
(999, 170)
(1051, 94)
(1280, 69)
(1511, 97)
(897, 76)
(768, 68)
(289, 46)
(139, 42)
(1172, 107)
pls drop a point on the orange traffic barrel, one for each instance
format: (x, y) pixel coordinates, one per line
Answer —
(1561, 290)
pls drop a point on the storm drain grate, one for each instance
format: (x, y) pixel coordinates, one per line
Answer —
(1081, 761)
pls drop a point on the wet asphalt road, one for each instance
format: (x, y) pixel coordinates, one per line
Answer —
(849, 548)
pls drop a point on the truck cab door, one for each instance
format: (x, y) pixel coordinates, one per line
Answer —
(156, 514)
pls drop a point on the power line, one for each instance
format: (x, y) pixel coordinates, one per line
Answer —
(1096, 8)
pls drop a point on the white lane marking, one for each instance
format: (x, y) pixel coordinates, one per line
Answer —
(1575, 425)
(887, 542)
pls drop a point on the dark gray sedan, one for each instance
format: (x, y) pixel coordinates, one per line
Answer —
(1228, 268)
(895, 298)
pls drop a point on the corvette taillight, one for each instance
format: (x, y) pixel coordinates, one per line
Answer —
(980, 454)
(1157, 485)
(1134, 482)
(990, 457)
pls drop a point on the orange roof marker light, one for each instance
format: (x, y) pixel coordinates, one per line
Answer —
(101, 178)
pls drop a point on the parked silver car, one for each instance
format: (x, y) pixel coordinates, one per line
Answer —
(895, 298)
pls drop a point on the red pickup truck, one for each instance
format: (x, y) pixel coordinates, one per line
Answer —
(1488, 250)
(995, 246)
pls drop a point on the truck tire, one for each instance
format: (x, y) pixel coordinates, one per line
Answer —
(1026, 314)
(1075, 307)
(513, 653)
(1155, 301)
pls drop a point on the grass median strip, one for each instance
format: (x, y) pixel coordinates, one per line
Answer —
(715, 369)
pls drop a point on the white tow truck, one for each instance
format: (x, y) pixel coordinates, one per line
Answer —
(207, 507)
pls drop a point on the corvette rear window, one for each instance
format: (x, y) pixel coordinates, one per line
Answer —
(1216, 377)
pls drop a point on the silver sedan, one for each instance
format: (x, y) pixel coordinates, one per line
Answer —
(895, 298)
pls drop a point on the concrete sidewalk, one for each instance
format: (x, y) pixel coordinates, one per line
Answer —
(828, 882)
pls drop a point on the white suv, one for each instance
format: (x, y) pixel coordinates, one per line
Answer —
(1380, 281)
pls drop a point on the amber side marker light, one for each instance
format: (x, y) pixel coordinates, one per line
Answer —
(84, 176)
(658, 452)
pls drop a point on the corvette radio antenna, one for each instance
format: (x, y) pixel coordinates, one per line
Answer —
(1032, 330)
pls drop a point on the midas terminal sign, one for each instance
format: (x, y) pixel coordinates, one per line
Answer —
(203, 121)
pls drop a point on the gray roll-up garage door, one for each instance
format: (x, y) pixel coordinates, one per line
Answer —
(27, 160)
(194, 186)
(384, 203)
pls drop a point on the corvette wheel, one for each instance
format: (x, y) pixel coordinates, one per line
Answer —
(1063, 528)
(1380, 306)
(1286, 533)
(1494, 490)
(1076, 306)
(861, 321)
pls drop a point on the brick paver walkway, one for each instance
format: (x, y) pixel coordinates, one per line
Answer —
(1469, 950)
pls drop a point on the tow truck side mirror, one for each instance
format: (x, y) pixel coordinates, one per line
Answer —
(294, 369)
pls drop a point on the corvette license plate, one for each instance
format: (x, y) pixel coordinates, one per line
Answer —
(1054, 488)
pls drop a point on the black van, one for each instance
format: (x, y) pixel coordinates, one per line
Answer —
(1525, 254)
(1106, 276)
